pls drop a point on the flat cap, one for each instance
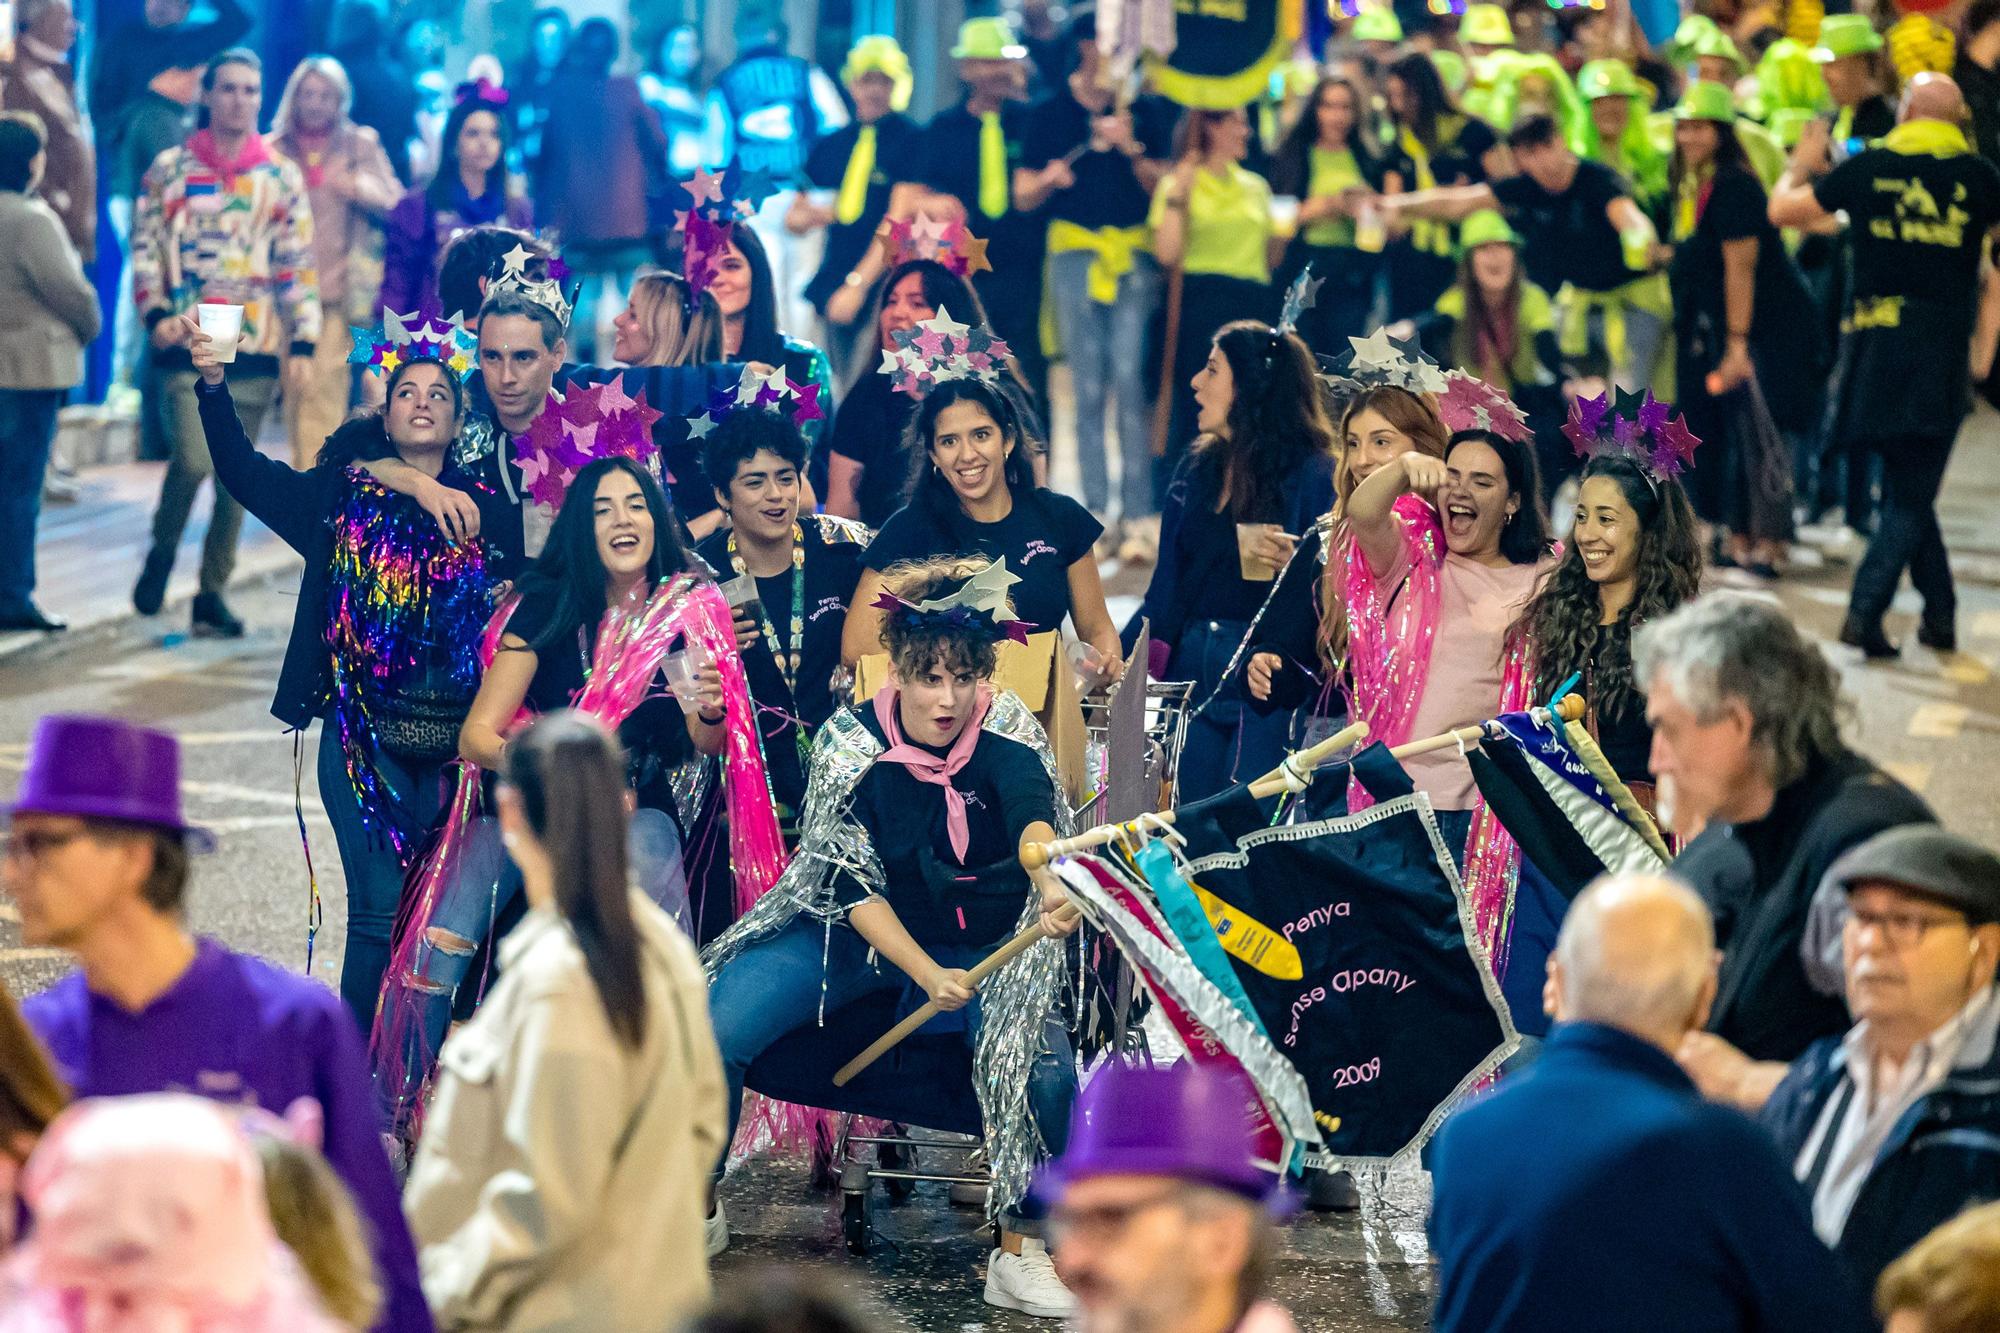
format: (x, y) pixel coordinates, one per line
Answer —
(1925, 859)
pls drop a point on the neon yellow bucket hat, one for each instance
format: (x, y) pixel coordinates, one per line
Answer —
(1486, 25)
(1607, 78)
(1486, 227)
(1374, 25)
(1713, 41)
(1788, 76)
(1843, 35)
(987, 39)
(881, 54)
(1707, 100)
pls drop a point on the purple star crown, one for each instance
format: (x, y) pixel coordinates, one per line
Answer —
(1643, 428)
(775, 390)
(939, 349)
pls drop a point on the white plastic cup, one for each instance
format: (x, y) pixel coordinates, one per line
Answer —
(740, 591)
(224, 326)
(1284, 214)
(680, 669)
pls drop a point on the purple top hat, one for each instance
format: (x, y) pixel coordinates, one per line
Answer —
(1184, 1121)
(106, 768)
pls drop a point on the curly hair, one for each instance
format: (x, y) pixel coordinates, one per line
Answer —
(916, 645)
(1564, 618)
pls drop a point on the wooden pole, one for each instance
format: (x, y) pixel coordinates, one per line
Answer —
(1585, 747)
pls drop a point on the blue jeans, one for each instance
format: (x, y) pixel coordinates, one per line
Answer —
(368, 859)
(1105, 346)
(1228, 741)
(27, 429)
(779, 984)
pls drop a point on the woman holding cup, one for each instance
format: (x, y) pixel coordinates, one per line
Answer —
(1259, 474)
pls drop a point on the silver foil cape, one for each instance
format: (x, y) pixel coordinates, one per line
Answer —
(1014, 1001)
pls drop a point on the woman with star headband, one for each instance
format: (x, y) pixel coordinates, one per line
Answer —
(1258, 476)
(747, 295)
(920, 802)
(383, 644)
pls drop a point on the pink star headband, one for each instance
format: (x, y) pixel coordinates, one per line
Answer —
(757, 391)
(940, 349)
(943, 241)
(1470, 403)
(591, 422)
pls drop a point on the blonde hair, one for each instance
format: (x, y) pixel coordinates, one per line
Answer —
(31, 1092)
(1951, 1277)
(327, 68)
(659, 300)
(315, 1217)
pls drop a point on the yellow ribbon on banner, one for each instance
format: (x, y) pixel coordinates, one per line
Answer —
(1249, 940)
(1116, 249)
(853, 196)
(992, 165)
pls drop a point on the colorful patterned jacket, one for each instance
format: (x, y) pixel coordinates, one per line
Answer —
(235, 232)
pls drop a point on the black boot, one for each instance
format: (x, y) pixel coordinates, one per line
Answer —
(1868, 637)
(213, 618)
(1938, 633)
(151, 589)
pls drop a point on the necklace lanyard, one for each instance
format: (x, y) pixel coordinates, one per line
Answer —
(786, 656)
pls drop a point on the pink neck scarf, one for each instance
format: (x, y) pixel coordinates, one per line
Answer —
(936, 770)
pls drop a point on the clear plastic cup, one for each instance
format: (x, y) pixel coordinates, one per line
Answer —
(1371, 233)
(224, 326)
(680, 670)
(1253, 566)
(1284, 214)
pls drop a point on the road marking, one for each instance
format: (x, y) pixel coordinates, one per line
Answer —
(1915, 776)
(1968, 669)
(9, 912)
(1986, 625)
(232, 792)
(189, 739)
(1937, 721)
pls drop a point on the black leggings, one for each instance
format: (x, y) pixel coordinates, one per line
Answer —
(1908, 535)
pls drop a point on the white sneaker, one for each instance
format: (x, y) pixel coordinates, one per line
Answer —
(715, 1231)
(1027, 1282)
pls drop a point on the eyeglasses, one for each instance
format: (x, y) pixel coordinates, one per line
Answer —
(1903, 930)
(1106, 1221)
(31, 845)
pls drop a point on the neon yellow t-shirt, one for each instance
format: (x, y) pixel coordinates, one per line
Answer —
(1228, 224)
(1332, 173)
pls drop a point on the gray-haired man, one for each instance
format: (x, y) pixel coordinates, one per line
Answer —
(1747, 748)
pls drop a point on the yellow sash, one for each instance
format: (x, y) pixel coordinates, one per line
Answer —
(1115, 248)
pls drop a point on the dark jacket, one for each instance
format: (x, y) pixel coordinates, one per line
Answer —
(1599, 1191)
(296, 506)
(1943, 1155)
(1759, 879)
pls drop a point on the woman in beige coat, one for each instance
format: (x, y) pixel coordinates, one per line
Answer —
(561, 1180)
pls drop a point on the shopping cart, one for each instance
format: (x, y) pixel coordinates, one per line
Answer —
(1166, 718)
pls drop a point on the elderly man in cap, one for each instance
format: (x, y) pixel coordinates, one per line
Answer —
(1746, 742)
(1598, 1190)
(1162, 1220)
(1894, 1127)
(97, 861)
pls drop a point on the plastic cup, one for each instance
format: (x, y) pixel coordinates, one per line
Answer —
(1284, 214)
(1254, 568)
(1371, 233)
(680, 670)
(224, 326)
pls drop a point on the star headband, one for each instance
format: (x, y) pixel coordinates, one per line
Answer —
(546, 292)
(1300, 297)
(592, 422)
(940, 349)
(413, 337)
(943, 241)
(758, 391)
(1379, 361)
(1640, 429)
(717, 201)
(978, 606)
(483, 91)
(1470, 403)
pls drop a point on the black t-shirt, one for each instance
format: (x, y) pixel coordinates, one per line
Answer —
(939, 899)
(948, 162)
(655, 735)
(869, 429)
(1041, 537)
(1463, 143)
(1735, 209)
(896, 141)
(833, 550)
(1107, 192)
(1567, 236)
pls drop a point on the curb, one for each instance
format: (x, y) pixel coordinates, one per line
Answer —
(253, 569)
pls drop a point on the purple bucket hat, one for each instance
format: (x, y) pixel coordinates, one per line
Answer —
(1183, 1121)
(106, 768)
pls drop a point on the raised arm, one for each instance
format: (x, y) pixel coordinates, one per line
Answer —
(285, 501)
(1447, 203)
(1371, 513)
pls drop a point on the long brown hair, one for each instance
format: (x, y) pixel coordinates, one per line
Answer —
(1415, 416)
(1488, 333)
(570, 773)
(31, 1094)
(674, 337)
(1276, 421)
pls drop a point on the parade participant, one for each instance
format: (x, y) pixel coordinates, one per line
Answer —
(1888, 1126)
(921, 801)
(972, 493)
(868, 459)
(1747, 752)
(153, 1204)
(666, 323)
(1161, 1218)
(1584, 239)
(249, 246)
(97, 863)
(1618, 108)
(351, 187)
(1910, 348)
(1298, 646)
(1211, 220)
(1330, 162)
(1852, 61)
(1745, 362)
(477, 257)
(471, 188)
(382, 644)
(535, 1207)
(1633, 556)
(968, 155)
(1603, 1129)
(1256, 479)
(1091, 162)
(861, 165)
(1445, 147)
(1977, 73)
(806, 566)
(741, 283)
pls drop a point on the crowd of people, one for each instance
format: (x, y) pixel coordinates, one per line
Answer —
(669, 467)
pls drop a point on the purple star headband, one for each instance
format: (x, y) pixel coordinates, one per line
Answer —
(939, 349)
(484, 91)
(590, 422)
(1643, 429)
(760, 391)
(717, 201)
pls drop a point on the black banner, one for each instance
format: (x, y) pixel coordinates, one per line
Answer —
(1224, 50)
